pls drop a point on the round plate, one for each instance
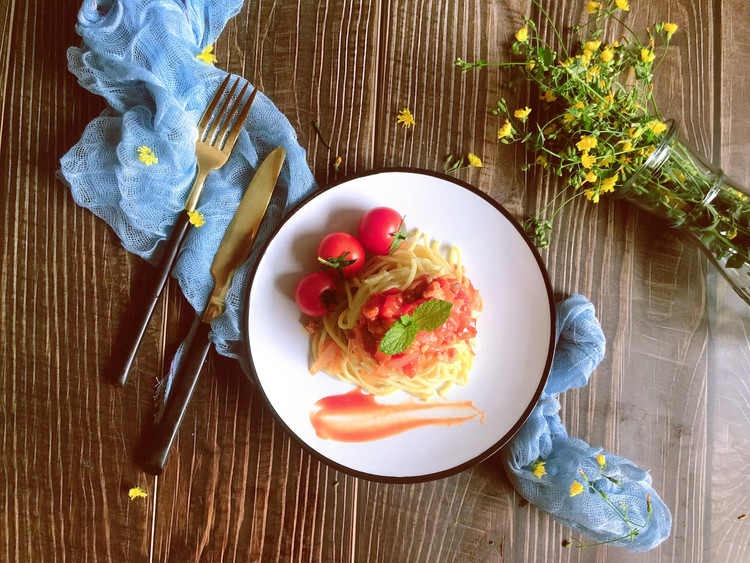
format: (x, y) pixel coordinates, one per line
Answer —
(515, 331)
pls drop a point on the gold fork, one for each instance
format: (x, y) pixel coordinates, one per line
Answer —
(212, 150)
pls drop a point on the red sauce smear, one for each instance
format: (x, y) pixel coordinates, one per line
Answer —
(358, 417)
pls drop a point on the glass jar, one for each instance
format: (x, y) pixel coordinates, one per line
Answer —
(678, 185)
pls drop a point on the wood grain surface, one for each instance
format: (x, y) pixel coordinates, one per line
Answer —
(671, 394)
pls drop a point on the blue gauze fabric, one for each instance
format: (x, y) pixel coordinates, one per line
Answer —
(580, 348)
(140, 55)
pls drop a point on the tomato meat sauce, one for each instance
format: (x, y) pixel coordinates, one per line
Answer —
(382, 310)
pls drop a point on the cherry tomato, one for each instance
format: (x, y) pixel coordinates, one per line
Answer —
(342, 252)
(315, 294)
(381, 230)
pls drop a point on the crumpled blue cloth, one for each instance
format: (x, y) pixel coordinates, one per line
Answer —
(543, 438)
(140, 55)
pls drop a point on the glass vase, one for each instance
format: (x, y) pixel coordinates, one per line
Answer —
(678, 184)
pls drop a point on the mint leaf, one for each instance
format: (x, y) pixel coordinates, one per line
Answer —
(427, 316)
(431, 314)
(400, 336)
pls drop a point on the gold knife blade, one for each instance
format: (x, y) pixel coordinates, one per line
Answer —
(238, 239)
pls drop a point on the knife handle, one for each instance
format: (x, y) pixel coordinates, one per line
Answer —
(165, 266)
(155, 446)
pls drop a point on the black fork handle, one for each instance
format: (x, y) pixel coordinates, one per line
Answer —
(162, 274)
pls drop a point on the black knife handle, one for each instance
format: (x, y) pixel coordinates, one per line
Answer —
(165, 266)
(155, 446)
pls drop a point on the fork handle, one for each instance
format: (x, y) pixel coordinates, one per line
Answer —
(164, 267)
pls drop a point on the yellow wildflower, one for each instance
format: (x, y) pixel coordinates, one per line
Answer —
(537, 468)
(586, 143)
(593, 196)
(601, 460)
(623, 5)
(551, 128)
(627, 146)
(609, 98)
(196, 218)
(522, 34)
(731, 234)
(147, 156)
(591, 46)
(505, 130)
(635, 132)
(530, 64)
(549, 96)
(576, 489)
(606, 162)
(566, 62)
(137, 492)
(592, 7)
(656, 126)
(670, 28)
(608, 54)
(587, 161)
(591, 177)
(474, 160)
(592, 73)
(608, 184)
(206, 55)
(647, 55)
(578, 105)
(541, 159)
(405, 118)
(523, 113)
(568, 117)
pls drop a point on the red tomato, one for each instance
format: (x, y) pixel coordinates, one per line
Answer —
(315, 294)
(381, 230)
(342, 252)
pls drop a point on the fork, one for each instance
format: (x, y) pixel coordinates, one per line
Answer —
(211, 151)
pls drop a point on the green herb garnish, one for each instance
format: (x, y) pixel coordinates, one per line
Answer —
(428, 316)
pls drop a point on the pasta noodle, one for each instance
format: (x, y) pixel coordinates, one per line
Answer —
(340, 345)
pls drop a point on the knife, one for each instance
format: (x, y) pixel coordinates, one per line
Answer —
(233, 251)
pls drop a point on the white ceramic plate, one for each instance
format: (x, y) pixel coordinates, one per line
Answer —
(515, 330)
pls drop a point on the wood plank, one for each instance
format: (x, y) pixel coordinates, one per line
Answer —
(237, 487)
(64, 463)
(639, 276)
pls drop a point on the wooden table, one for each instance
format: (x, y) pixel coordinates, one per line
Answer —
(672, 393)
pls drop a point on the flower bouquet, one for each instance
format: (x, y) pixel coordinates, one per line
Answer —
(600, 130)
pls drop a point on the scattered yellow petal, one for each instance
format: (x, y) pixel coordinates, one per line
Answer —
(196, 218)
(623, 5)
(576, 489)
(523, 113)
(592, 7)
(538, 469)
(670, 28)
(137, 492)
(474, 160)
(206, 55)
(147, 156)
(505, 130)
(405, 118)
(522, 34)
(586, 143)
(601, 460)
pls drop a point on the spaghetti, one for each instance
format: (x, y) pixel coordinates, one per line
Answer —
(345, 343)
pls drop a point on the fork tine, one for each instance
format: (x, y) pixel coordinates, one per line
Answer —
(222, 110)
(211, 106)
(235, 131)
(230, 115)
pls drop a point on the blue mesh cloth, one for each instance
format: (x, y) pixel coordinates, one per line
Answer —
(140, 56)
(580, 348)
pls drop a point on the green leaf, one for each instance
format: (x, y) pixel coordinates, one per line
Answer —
(431, 314)
(400, 336)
